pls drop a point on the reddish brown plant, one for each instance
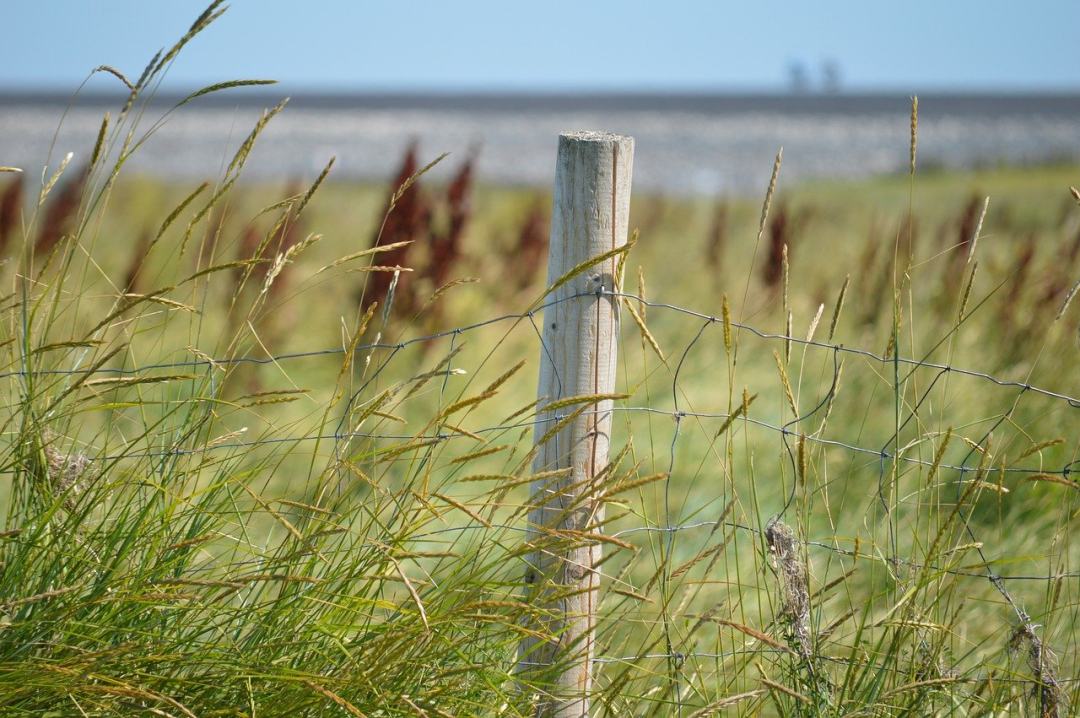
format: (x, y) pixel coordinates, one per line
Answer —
(870, 250)
(717, 238)
(1073, 250)
(779, 235)
(405, 220)
(248, 249)
(446, 246)
(1018, 282)
(11, 203)
(132, 284)
(532, 244)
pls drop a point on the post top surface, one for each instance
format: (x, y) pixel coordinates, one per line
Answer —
(594, 136)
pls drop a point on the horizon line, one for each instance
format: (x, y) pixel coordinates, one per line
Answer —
(18, 94)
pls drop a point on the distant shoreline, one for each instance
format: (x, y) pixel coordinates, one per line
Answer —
(688, 144)
(931, 103)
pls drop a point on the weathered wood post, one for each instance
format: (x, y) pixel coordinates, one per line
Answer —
(590, 217)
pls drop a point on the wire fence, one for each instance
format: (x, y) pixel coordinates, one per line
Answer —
(881, 454)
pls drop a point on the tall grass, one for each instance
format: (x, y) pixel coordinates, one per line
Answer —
(241, 477)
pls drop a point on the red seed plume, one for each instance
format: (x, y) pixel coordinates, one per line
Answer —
(11, 203)
(405, 220)
(446, 246)
(532, 243)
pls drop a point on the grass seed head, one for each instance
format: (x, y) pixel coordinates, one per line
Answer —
(914, 131)
(61, 212)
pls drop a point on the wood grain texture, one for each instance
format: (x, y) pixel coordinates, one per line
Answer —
(590, 216)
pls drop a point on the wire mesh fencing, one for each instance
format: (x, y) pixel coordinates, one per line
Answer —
(788, 517)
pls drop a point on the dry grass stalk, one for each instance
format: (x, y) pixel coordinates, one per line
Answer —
(276, 269)
(1068, 300)
(814, 323)
(966, 224)
(725, 312)
(286, 239)
(978, 229)
(785, 264)
(908, 237)
(914, 131)
(643, 307)
(839, 307)
(215, 227)
(784, 551)
(60, 213)
(99, 144)
(787, 337)
(54, 178)
(771, 191)
(292, 231)
(967, 292)
(117, 74)
(713, 709)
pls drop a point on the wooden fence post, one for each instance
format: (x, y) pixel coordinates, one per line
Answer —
(590, 216)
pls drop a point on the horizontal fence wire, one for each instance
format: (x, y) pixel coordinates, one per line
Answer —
(979, 678)
(1063, 471)
(1072, 401)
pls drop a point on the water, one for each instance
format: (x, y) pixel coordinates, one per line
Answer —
(685, 144)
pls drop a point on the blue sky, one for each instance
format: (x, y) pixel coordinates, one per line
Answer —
(911, 46)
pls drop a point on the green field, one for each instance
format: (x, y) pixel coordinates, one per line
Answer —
(229, 492)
